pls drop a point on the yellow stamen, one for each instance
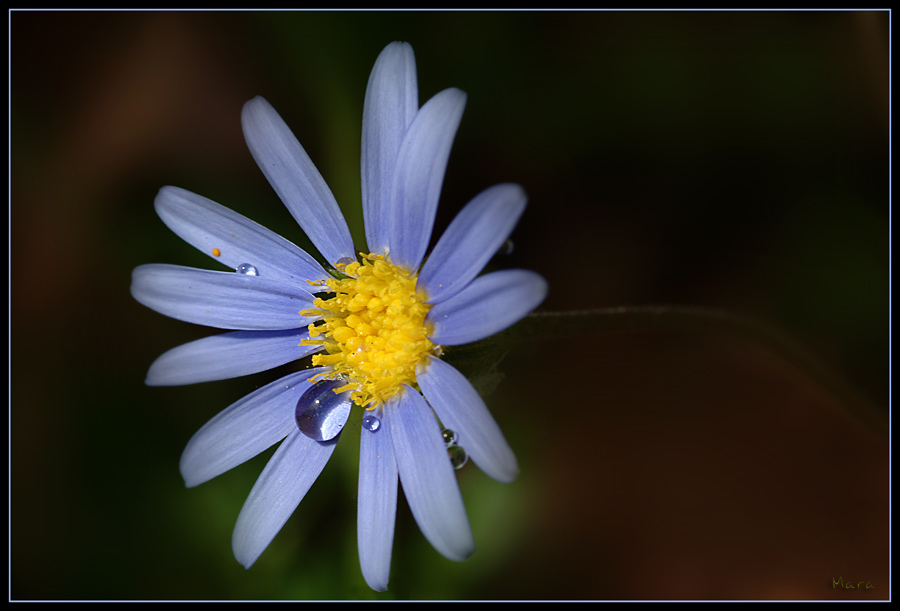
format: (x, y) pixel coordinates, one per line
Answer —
(374, 329)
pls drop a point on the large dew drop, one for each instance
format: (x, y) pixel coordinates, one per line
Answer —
(247, 270)
(371, 422)
(321, 414)
(458, 456)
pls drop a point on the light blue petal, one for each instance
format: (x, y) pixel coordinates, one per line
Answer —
(284, 482)
(490, 304)
(296, 180)
(392, 99)
(419, 174)
(225, 300)
(461, 409)
(207, 225)
(474, 236)
(244, 429)
(428, 478)
(229, 355)
(377, 505)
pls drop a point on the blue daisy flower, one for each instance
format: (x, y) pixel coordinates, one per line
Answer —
(375, 323)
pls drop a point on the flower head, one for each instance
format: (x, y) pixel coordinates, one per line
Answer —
(376, 324)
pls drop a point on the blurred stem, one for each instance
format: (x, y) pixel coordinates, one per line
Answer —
(561, 325)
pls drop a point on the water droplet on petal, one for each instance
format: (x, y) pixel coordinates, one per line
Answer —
(458, 456)
(345, 261)
(371, 422)
(506, 249)
(449, 436)
(247, 269)
(320, 413)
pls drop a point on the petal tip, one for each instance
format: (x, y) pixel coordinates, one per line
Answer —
(244, 556)
(189, 467)
(252, 107)
(378, 586)
(190, 481)
(463, 553)
(507, 475)
(254, 101)
(165, 192)
(399, 46)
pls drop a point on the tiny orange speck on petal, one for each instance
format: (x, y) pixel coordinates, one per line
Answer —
(216, 252)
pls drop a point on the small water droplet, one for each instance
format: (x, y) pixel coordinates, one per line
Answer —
(449, 436)
(458, 456)
(320, 413)
(345, 261)
(506, 249)
(247, 269)
(371, 422)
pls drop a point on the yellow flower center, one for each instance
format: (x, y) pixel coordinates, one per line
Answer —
(373, 330)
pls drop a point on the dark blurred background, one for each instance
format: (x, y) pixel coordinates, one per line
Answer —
(734, 161)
